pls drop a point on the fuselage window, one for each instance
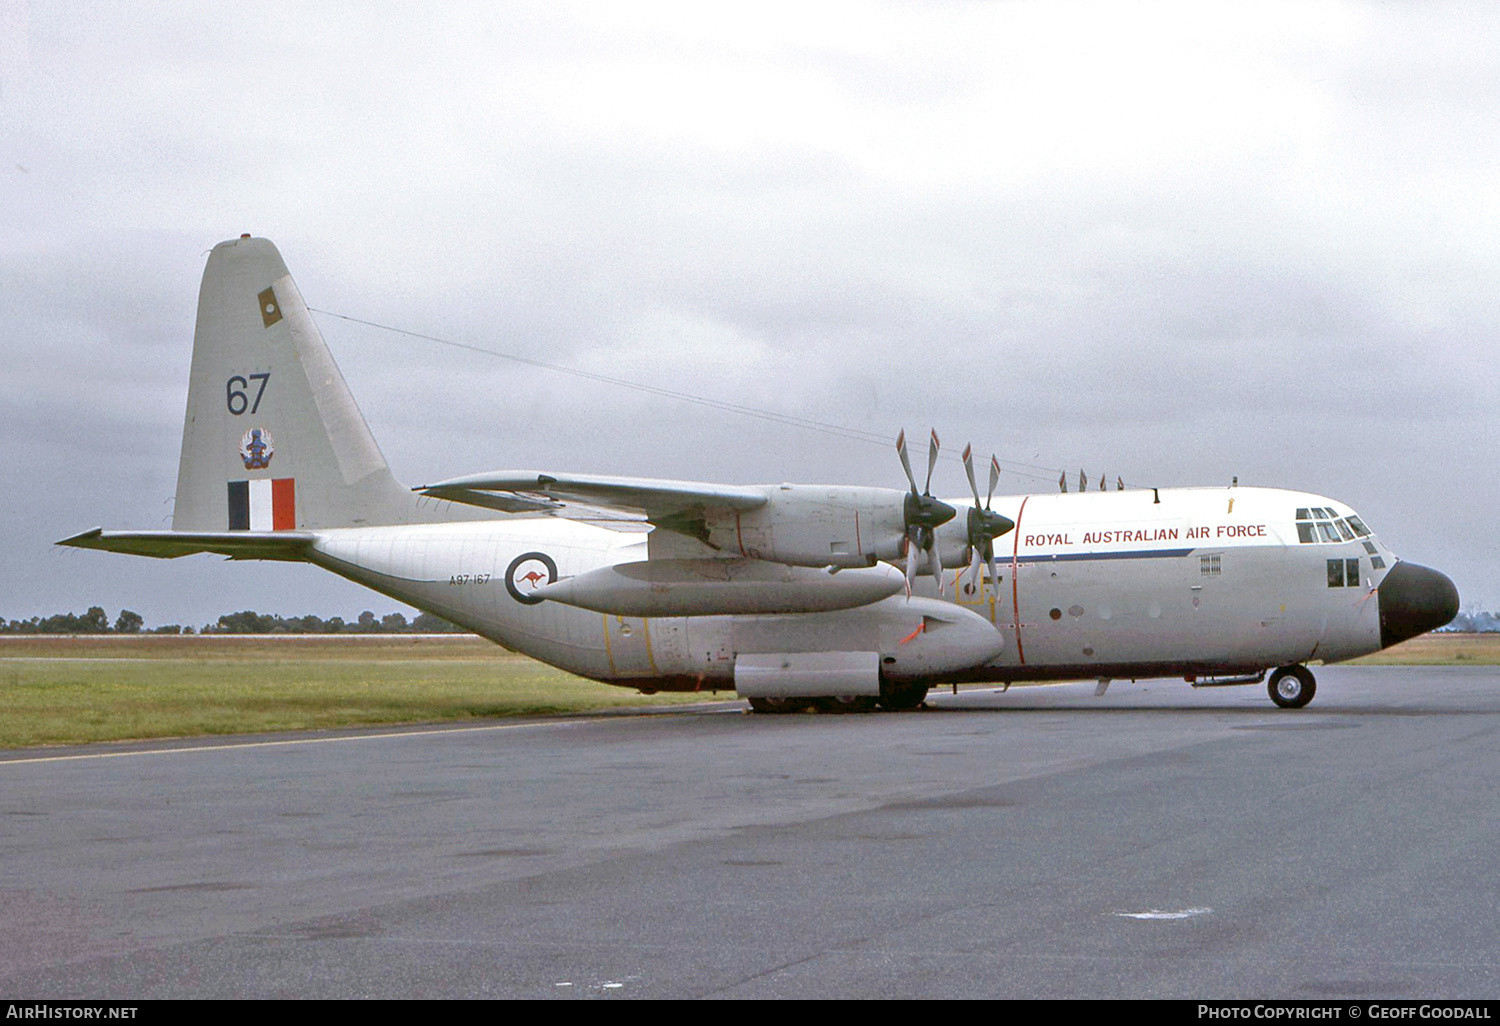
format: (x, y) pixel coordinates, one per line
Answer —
(1369, 547)
(1377, 562)
(1343, 573)
(1306, 534)
(1303, 514)
(1358, 526)
(1344, 530)
(1326, 530)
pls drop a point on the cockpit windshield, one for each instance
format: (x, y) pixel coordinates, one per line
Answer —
(1317, 524)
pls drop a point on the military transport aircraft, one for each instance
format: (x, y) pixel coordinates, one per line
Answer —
(788, 594)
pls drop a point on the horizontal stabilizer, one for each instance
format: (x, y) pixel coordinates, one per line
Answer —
(289, 545)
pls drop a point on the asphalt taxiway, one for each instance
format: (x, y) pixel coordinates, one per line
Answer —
(1153, 842)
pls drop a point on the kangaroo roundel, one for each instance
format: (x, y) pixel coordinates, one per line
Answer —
(528, 572)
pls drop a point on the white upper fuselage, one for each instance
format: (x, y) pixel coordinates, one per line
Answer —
(1108, 584)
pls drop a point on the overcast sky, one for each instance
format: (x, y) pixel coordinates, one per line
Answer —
(1171, 243)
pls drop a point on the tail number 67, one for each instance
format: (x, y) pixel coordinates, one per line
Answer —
(236, 395)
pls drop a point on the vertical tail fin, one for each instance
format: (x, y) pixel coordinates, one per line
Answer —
(273, 440)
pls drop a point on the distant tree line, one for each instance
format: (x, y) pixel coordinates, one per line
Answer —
(1474, 622)
(96, 621)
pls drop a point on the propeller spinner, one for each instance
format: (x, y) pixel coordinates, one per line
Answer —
(984, 526)
(923, 515)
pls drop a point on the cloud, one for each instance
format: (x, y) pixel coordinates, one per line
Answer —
(1171, 243)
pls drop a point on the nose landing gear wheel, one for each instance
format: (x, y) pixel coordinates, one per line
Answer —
(1292, 687)
(901, 697)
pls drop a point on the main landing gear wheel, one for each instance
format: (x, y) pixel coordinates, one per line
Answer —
(1292, 687)
(779, 705)
(847, 704)
(901, 697)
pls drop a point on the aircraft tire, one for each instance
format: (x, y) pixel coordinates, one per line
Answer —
(847, 704)
(1292, 687)
(778, 705)
(901, 697)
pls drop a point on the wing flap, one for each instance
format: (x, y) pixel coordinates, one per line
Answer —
(288, 545)
(505, 502)
(658, 499)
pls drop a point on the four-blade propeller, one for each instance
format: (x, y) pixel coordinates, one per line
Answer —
(984, 525)
(923, 516)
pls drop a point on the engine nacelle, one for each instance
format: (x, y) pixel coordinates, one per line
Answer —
(815, 525)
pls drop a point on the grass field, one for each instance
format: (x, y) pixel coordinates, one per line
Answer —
(71, 690)
(1439, 650)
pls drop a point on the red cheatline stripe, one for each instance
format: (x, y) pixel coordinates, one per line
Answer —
(284, 504)
(1015, 592)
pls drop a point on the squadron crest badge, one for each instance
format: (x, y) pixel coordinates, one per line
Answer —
(256, 449)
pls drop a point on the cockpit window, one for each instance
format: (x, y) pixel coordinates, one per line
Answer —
(1317, 524)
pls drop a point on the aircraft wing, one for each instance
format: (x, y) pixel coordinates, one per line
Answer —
(670, 504)
(288, 545)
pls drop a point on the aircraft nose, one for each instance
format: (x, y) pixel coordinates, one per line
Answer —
(1414, 600)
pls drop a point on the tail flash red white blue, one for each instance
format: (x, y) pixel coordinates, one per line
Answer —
(265, 504)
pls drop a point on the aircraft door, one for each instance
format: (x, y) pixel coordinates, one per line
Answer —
(984, 595)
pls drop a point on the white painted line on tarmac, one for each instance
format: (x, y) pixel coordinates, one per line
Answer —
(1156, 913)
(319, 740)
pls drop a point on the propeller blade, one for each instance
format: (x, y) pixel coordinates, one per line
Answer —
(969, 469)
(932, 454)
(994, 570)
(911, 564)
(974, 562)
(905, 462)
(994, 480)
(936, 566)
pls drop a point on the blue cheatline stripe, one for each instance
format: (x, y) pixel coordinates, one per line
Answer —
(1064, 557)
(239, 505)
